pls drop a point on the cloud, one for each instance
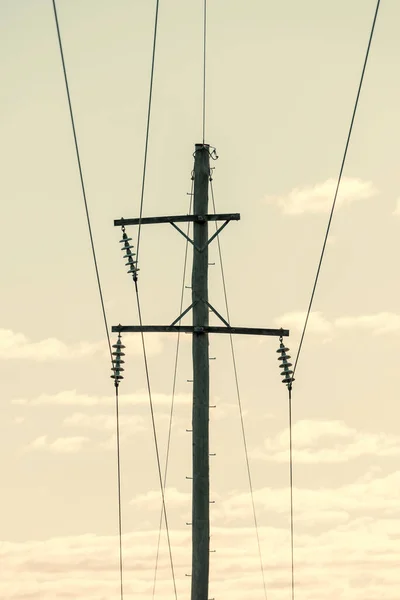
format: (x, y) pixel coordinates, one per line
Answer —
(358, 499)
(378, 323)
(18, 346)
(319, 442)
(152, 499)
(397, 209)
(62, 445)
(319, 198)
(334, 551)
(317, 323)
(104, 422)
(73, 398)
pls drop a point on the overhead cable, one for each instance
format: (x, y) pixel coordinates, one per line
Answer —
(238, 395)
(338, 184)
(160, 477)
(98, 284)
(146, 144)
(173, 390)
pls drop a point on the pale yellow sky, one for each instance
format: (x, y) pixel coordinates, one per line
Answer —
(282, 79)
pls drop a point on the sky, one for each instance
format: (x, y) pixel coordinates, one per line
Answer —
(281, 84)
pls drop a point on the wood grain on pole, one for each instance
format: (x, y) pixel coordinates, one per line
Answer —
(201, 383)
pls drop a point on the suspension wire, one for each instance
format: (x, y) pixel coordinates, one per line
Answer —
(121, 567)
(316, 281)
(81, 175)
(173, 390)
(238, 394)
(291, 488)
(98, 285)
(146, 145)
(338, 185)
(146, 366)
(204, 66)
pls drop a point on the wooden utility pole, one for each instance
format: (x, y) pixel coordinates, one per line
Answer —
(201, 382)
(200, 331)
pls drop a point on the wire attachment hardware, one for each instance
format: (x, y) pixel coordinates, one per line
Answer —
(287, 372)
(117, 361)
(127, 247)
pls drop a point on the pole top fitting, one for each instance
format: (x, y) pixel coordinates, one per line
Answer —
(201, 146)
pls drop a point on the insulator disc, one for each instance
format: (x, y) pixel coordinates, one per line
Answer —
(118, 353)
(284, 357)
(118, 362)
(118, 346)
(118, 369)
(116, 376)
(127, 239)
(283, 350)
(287, 372)
(287, 380)
(284, 365)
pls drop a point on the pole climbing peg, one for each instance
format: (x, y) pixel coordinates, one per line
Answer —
(285, 364)
(132, 264)
(117, 361)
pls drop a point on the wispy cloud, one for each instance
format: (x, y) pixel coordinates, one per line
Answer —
(18, 346)
(152, 499)
(347, 549)
(378, 323)
(318, 442)
(356, 499)
(397, 209)
(317, 323)
(73, 398)
(318, 198)
(104, 422)
(61, 445)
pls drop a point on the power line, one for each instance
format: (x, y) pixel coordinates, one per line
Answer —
(99, 288)
(146, 145)
(146, 366)
(338, 185)
(316, 282)
(291, 489)
(173, 388)
(239, 401)
(121, 566)
(81, 175)
(204, 66)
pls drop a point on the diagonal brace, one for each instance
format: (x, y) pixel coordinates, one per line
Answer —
(218, 315)
(192, 242)
(215, 234)
(185, 236)
(184, 313)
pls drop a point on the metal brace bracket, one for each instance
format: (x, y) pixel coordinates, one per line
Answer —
(212, 238)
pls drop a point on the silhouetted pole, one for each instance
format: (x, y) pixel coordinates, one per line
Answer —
(201, 382)
(201, 376)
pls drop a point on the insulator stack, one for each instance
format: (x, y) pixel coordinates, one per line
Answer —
(127, 248)
(117, 361)
(285, 365)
